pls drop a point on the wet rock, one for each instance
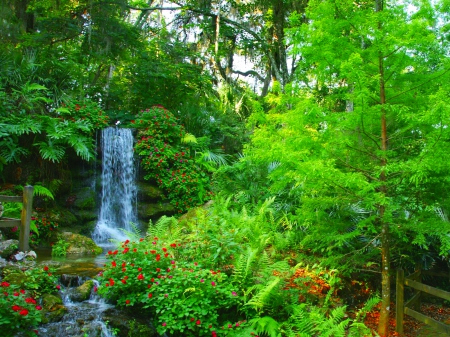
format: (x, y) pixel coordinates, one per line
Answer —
(80, 244)
(8, 247)
(53, 308)
(70, 280)
(82, 292)
(127, 323)
(148, 193)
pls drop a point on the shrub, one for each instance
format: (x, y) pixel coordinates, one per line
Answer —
(185, 297)
(168, 161)
(19, 311)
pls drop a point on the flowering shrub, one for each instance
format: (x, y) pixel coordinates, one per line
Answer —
(36, 281)
(45, 228)
(185, 298)
(86, 111)
(19, 312)
(168, 161)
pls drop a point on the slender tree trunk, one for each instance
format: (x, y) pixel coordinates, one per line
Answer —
(383, 325)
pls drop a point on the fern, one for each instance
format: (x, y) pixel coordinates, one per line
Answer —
(166, 227)
(51, 151)
(266, 325)
(261, 298)
(42, 191)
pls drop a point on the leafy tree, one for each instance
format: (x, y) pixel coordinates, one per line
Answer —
(360, 136)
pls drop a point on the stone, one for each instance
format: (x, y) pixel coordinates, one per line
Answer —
(83, 292)
(8, 247)
(148, 193)
(80, 244)
(53, 308)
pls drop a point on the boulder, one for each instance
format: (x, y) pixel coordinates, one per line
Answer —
(80, 244)
(148, 193)
(83, 292)
(8, 247)
(53, 309)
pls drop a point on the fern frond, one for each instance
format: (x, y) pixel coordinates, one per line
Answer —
(189, 138)
(42, 191)
(260, 299)
(266, 325)
(51, 151)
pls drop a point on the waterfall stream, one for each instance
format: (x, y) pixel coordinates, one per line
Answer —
(82, 318)
(118, 198)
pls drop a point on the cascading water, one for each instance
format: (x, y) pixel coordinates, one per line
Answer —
(118, 198)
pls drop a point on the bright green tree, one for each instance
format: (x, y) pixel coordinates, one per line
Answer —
(357, 145)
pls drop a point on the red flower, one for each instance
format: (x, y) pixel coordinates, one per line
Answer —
(127, 302)
(164, 250)
(38, 307)
(140, 277)
(192, 319)
(139, 269)
(213, 334)
(58, 287)
(113, 263)
(30, 300)
(22, 291)
(124, 281)
(198, 322)
(153, 251)
(135, 250)
(141, 239)
(158, 257)
(158, 269)
(5, 284)
(150, 295)
(166, 255)
(23, 312)
(173, 245)
(16, 293)
(45, 268)
(124, 264)
(16, 308)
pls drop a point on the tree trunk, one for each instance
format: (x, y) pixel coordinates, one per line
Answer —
(383, 324)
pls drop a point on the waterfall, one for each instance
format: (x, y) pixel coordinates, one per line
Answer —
(118, 197)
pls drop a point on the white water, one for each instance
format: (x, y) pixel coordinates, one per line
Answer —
(118, 199)
(81, 319)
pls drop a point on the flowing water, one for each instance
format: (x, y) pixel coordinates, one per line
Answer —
(83, 319)
(118, 198)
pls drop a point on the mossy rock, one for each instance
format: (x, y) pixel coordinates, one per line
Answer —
(85, 199)
(53, 308)
(8, 247)
(193, 213)
(148, 193)
(80, 244)
(153, 211)
(83, 292)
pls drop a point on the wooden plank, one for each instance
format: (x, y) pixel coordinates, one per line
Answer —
(413, 300)
(429, 290)
(441, 327)
(8, 198)
(24, 235)
(400, 298)
(414, 275)
(9, 222)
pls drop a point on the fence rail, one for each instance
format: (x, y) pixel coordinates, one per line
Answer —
(412, 306)
(24, 222)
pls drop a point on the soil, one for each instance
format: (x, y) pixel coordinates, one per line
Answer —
(412, 327)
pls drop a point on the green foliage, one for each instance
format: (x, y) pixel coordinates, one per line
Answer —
(168, 161)
(45, 229)
(19, 311)
(185, 297)
(36, 281)
(60, 248)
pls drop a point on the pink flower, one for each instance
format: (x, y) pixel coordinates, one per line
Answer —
(233, 293)
(58, 287)
(164, 324)
(213, 283)
(38, 307)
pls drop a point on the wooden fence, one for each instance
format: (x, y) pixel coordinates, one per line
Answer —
(412, 306)
(24, 222)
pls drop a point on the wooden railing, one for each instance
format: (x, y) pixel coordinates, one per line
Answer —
(412, 306)
(24, 222)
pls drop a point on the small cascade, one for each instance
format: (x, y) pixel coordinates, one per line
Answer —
(83, 319)
(118, 198)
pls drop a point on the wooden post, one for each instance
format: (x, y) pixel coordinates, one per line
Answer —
(24, 238)
(400, 301)
(419, 293)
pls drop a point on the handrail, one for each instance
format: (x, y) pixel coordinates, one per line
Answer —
(25, 219)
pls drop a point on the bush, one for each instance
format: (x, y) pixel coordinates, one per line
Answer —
(184, 297)
(168, 161)
(19, 312)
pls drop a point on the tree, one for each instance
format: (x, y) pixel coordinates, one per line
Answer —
(358, 139)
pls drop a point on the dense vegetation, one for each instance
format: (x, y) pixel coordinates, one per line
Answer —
(329, 149)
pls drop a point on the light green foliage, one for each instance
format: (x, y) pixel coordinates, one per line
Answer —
(60, 248)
